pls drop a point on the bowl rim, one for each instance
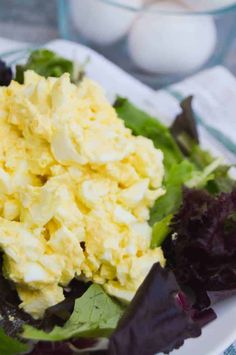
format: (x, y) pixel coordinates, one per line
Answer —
(218, 11)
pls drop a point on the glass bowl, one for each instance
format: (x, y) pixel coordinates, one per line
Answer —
(159, 42)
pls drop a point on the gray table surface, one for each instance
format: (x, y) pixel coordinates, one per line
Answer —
(36, 21)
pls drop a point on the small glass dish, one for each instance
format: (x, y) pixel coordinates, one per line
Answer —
(159, 42)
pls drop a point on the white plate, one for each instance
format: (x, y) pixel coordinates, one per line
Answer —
(218, 335)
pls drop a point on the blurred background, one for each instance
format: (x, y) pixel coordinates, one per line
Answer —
(39, 21)
(29, 20)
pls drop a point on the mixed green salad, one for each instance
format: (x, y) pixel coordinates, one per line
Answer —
(194, 222)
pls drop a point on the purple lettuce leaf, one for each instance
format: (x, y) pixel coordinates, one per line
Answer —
(184, 128)
(156, 320)
(6, 74)
(63, 348)
(49, 348)
(202, 250)
(202, 318)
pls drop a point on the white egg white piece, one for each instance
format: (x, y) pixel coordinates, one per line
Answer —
(162, 42)
(101, 22)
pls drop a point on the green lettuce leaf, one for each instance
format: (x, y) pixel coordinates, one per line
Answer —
(221, 181)
(160, 231)
(185, 132)
(201, 178)
(46, 63)
(10, 346)
(201, 158)
(180, 175)
(95, 315)
(166, 205)
(142, 124)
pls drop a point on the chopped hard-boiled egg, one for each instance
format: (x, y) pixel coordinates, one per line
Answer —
(75, 191)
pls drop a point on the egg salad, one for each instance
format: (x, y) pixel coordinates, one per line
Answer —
(75, 192)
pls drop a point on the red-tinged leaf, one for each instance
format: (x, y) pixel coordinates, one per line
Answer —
(155, 321)
(202, 252)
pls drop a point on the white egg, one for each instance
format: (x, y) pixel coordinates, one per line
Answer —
(101, 22)
(171, 43)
